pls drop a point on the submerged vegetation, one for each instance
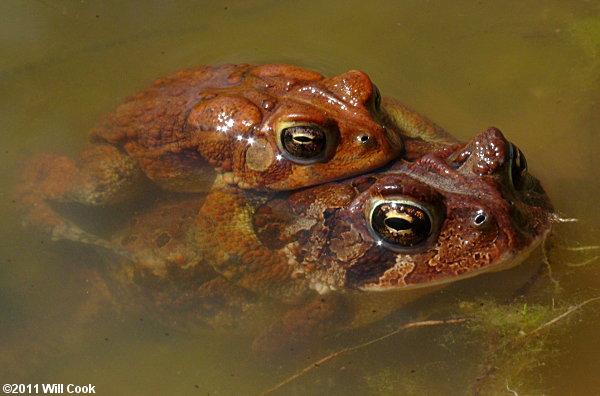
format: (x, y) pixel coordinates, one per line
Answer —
(513, 341)
(511, 346)
(498, 346)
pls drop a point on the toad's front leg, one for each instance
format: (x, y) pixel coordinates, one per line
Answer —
(102, 175)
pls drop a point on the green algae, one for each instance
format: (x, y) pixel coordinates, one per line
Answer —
(513, 342)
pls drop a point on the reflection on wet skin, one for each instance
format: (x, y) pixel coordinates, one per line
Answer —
(281, 244)
(453, 211)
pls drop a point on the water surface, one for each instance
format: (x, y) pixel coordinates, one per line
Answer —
(529, 68)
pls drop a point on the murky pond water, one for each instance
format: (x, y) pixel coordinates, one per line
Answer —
(529, 68)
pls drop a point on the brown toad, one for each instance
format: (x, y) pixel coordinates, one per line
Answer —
(340, 254)
(269, 127)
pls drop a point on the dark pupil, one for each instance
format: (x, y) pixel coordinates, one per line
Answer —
(303, 141)
(404, 224)
(398, 224)
(518, 166)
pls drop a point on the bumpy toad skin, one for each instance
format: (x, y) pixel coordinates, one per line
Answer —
(168, 270)
(270, 127)
(324, 252)
(483, 212)
(229, 118)
(160, 268)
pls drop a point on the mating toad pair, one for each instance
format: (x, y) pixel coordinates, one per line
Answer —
(309, 192)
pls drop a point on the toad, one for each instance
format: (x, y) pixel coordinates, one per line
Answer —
(340, 254)
(270, 128)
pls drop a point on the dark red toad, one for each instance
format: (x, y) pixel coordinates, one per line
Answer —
(343, 254)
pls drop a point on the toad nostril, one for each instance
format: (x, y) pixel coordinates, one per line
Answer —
(480, 218)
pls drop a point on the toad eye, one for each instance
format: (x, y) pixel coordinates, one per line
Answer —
(305, 143)
(518, 166)
(400, 223)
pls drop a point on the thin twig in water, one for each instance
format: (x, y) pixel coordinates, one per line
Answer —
(559, 317)
(546, 261)
(479, 383)
(583, 263)
(514, 392)
(581, 248)
(359, 346)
